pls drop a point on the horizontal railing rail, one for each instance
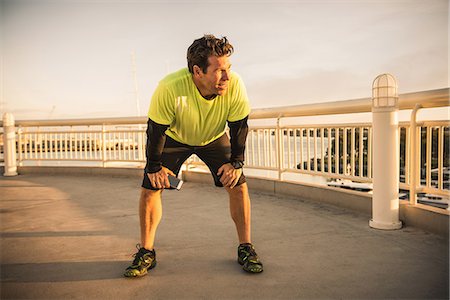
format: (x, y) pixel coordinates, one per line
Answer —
(426, 99)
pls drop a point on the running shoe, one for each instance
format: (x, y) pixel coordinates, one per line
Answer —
(144, 260)
(248, 258)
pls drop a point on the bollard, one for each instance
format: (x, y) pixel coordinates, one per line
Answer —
(9, 145)
(385, 203)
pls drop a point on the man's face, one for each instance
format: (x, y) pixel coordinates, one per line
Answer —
(215, 80)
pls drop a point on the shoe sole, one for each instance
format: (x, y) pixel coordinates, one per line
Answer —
(251, 271)
(241, 262)
(143, 274)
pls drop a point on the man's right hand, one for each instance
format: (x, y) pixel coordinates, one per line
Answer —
(160, 180)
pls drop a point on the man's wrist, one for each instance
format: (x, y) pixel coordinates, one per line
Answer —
(153, 167)
(237, 164)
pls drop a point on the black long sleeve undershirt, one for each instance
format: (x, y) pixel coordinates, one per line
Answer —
(156, 138)
(238, 137)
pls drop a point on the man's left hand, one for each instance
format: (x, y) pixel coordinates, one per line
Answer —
(229, 176)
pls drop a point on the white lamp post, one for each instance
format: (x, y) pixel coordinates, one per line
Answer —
(385, 203)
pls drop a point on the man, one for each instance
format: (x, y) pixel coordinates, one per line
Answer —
(188, 115)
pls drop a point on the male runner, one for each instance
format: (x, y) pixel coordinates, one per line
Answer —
(188, 115)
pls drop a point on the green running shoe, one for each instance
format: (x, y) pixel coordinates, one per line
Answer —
(248, 258)
(144, 260)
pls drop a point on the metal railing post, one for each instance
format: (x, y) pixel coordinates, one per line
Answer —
(9, 145)
(279, 149)
(414, 157)
(103, 145)
(140, 143)
(19, 144)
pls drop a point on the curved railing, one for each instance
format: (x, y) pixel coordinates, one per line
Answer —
(331, 151)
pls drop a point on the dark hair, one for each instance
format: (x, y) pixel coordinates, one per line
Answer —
(202, 48)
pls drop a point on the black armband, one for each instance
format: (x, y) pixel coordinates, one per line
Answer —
(156, 138)
(238, 137)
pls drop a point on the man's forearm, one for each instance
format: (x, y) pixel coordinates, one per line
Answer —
(156, 137)
(238, 137)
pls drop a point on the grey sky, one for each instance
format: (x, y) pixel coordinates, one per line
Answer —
(72, 59)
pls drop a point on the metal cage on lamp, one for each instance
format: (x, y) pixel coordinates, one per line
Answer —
(385, 92)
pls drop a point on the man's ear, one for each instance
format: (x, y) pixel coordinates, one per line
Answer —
(197, 71)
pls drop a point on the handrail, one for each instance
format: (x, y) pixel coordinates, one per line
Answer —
(428, 99)
(82, 122)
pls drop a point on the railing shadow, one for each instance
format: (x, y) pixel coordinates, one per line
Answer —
(52, 234)
(57, 271)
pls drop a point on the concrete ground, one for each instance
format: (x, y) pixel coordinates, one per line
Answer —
(71, 237)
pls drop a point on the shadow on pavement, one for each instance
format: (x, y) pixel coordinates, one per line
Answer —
(63, 271)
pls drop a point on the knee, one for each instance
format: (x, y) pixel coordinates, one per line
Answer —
(147, 195)
(239, 190)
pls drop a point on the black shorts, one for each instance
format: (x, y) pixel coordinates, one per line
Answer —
(214, 155)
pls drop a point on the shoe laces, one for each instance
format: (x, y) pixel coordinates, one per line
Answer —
(139, 254)
(249, 249)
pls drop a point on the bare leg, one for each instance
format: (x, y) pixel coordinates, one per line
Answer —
(241, 212)
(150, 212)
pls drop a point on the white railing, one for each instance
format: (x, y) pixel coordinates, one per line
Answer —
(313, 149)
(341, 151)
(90, 144)
(320, 150)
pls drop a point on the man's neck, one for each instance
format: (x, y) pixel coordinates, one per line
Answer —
(210, 97)
(198, 85)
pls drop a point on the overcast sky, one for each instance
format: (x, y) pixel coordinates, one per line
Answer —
(72, 59)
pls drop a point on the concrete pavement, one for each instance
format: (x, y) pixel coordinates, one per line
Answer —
(72, 236)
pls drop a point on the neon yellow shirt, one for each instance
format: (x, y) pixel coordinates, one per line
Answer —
(194, 120)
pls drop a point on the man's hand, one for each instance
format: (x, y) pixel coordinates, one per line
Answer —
(159, 179)
(229, 176)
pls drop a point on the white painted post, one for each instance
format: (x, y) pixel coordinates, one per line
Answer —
(280, 149)
(414, 157)
(9, 145)
(385, 203)
(103, 145)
